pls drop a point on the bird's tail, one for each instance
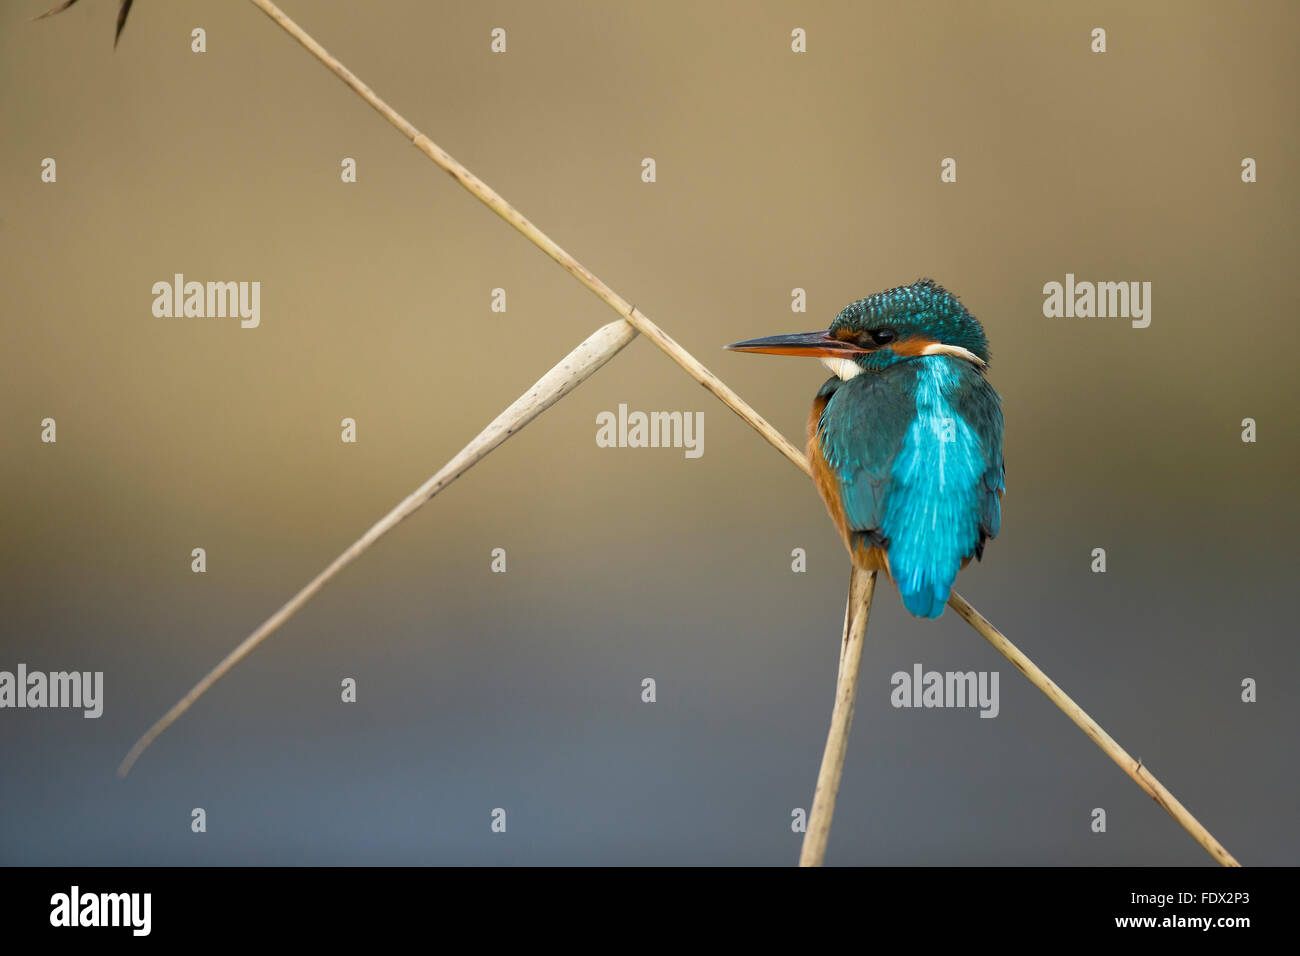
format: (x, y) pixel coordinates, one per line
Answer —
(925, 590)
(924, 587)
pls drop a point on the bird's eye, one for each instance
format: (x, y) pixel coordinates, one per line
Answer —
(882, 336)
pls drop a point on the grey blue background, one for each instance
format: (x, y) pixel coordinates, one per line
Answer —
(522, 690)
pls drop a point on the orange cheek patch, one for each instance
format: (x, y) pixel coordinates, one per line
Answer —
(924, 345)
(916, 345)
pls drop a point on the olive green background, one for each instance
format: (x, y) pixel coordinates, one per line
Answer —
(522, 690)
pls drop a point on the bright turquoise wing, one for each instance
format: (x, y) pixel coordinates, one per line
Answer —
(917, 452)
(943, 496)
(981, 408)
(861, 432)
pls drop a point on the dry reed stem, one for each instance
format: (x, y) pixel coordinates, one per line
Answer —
(1134, 768)
(493, 200)
(574, 369)
(857, 610)
(710, 381)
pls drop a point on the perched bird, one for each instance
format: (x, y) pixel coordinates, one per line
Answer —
(122, 11)
(905, 442)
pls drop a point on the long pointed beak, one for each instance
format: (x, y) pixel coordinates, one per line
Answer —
(808, 344)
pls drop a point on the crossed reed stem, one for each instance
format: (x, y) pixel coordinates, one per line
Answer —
(570, 372)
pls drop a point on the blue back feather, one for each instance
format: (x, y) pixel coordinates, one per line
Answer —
(917, 451)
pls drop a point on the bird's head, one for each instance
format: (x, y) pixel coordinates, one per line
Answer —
(898, 325)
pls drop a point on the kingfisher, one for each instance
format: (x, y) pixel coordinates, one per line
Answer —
(905, 440)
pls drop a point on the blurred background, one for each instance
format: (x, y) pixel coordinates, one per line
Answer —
(521, 690)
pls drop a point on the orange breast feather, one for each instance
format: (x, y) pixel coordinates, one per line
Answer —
(863, 554)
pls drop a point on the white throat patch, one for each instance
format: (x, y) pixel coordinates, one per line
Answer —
(844, 368)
